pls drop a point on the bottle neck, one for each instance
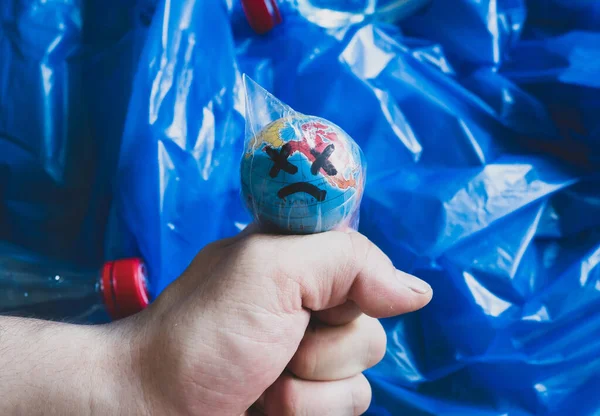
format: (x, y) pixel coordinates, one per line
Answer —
(35, 287)
(123, 287)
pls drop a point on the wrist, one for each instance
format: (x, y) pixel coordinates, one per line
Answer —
(57, 368)
(94, 374)
(117, 371)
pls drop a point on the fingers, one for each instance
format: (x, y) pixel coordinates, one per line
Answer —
(339, 315)
(291, 396)
(338, 352)
(333, 267)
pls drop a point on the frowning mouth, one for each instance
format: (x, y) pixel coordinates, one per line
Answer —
(308, 188)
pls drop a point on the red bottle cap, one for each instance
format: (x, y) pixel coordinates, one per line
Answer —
(262, 15)
(124, 287)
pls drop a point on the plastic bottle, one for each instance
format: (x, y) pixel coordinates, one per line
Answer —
(263, 15)
(33, 286)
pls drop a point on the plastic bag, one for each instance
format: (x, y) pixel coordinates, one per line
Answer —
(558, 72)
(177, 184)
(472, 32)
(43, 123)
(65, 74)
(561, 16)
(470, 185)
(299, 174)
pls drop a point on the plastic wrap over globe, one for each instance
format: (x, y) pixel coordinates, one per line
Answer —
(300, 174)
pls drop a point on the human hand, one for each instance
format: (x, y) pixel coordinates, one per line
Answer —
(277, 325)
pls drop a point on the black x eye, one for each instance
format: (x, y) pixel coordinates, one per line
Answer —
(322, 161)
(280, 161)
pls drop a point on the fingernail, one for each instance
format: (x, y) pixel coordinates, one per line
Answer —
(414, 283)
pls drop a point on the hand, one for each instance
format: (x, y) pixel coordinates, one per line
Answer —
(282, 324)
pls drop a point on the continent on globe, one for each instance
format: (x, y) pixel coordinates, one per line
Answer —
(303, 174)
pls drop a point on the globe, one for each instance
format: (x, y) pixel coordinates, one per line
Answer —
(301, 175)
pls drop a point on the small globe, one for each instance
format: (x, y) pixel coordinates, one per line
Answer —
(302, 175)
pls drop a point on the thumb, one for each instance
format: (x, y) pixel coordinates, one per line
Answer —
(334, 267)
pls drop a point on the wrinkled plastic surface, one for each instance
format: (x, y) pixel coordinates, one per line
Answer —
(478, 121)
(300, 174)
(66, 68)
(394, 11)
(473, 32)
(331, 13)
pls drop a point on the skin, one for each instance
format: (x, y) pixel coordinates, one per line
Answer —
(250, 328)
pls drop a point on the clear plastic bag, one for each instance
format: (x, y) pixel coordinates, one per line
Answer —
(300, 174)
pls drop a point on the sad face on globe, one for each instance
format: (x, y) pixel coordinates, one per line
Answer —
(302, 175)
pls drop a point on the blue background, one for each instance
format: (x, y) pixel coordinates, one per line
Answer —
(478, 121)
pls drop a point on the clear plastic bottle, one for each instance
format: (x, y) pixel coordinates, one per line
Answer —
(263, 15)
(34, 286)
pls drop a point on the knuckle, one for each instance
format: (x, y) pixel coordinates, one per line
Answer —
(254, 249)
(211, 246)
(370, 258)
(252, 245)
(262, 259)
(360, 243)
(361, 246)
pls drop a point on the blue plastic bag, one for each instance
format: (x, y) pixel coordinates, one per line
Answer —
(560, 72)
(473, 32)
(65, 73)
(473, 184)
(177, 181)
(560, 16)
(42, 121)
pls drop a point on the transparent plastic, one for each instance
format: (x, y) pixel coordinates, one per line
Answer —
(39, 287)
(32, 286)
(300, 174)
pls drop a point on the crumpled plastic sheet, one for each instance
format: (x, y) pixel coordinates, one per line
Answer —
(473, 32)
(561, 16)
(66, 68)
(483, 180)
